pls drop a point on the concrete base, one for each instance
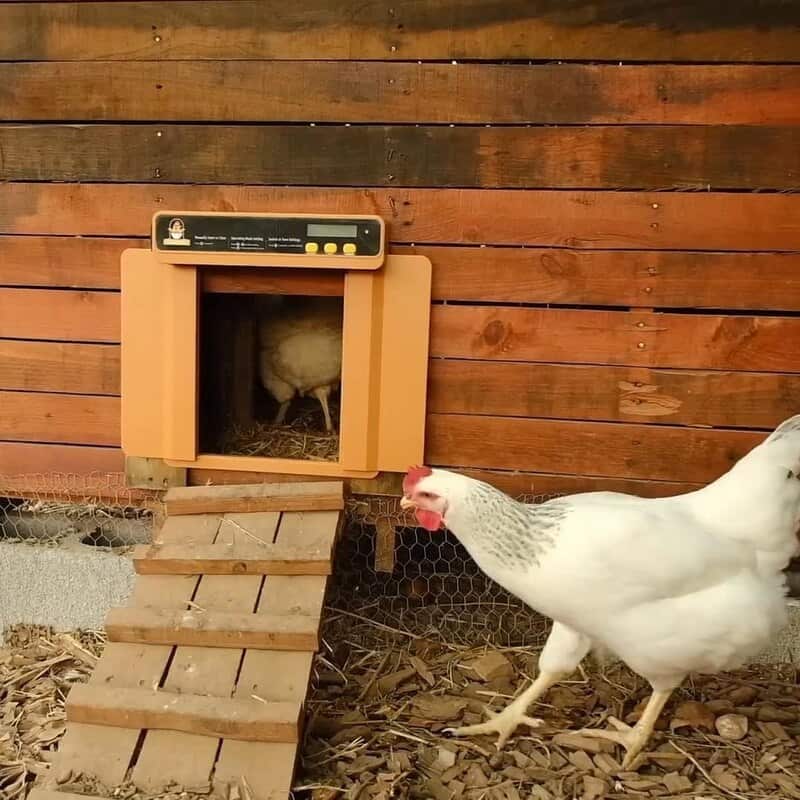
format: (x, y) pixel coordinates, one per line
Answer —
(67, 587)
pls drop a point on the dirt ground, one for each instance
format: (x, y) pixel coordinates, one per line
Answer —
(382, 698)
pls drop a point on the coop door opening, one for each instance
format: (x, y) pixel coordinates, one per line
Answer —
(270, 376)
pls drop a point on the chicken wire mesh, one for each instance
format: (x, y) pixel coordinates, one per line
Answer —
(399, 575)
(58, 508)
(402, 576)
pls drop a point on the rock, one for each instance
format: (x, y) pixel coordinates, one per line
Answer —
(732, 727)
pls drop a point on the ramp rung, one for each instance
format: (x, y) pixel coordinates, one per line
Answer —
(213, 629)
(322, 496)
(223, 559)
(53, 794)
(247, 720)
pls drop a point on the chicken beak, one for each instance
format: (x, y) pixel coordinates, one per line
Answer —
(405, 503)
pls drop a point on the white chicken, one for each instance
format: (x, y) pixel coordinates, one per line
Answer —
(300, 351)
(691, 583)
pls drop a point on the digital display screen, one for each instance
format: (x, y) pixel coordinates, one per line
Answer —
(342, 231)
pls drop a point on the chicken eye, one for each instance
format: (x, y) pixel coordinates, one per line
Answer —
(426, 495)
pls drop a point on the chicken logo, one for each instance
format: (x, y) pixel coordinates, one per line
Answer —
(177, 234)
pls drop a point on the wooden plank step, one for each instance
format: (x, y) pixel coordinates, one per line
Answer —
(233, 559)
(248, 720)
(294, 632)
(54, 794)
(322, 496)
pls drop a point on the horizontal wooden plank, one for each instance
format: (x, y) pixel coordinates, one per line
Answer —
(233, 559)
(656, 452)
(54, 794)
(59, 418)
(247, 720)
(439, 30)
(516, 483)
(71, 468)
(59, 315)
(196, 628)
(620, 278)
(353, 91)
(634, 338)
(621, 394)
(615, 157)
(324, 283)
(67, 262)
(537, 487)
(57, 367)
(327, 496)
(637, 220)
(503, 274)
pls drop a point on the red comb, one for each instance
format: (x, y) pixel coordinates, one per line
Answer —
(413, 476)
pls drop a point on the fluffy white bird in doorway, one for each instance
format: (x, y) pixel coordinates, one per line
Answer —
(300, 350)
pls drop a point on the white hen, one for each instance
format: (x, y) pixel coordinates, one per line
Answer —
(674, 585)
(301, 351)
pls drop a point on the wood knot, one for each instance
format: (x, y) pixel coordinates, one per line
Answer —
(239, 568)
(494, 333)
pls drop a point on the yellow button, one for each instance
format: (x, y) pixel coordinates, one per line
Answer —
(349, 249)
(311, 247)
(330, 247)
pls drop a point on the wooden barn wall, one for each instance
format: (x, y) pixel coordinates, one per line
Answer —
(606, 191)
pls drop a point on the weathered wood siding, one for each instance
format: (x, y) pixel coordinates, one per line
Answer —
(606, 191)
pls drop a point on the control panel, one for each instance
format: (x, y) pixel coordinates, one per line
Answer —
(328, 237)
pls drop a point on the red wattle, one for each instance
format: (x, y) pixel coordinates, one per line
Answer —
(430, 520)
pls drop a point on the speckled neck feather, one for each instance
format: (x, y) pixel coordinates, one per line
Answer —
(512, 533)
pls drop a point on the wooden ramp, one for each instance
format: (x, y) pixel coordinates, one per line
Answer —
(206, 670)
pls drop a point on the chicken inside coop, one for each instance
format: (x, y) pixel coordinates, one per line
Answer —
(270, 375)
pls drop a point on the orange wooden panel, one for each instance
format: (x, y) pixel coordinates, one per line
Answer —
(60, 315)
(623, 394)
(353, 91)
(62, 261)
(655, 452)
(70, 419)
(616, 337)
(649, 220)
(59, 367)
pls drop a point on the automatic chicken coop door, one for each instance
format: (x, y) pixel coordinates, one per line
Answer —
(205, 315)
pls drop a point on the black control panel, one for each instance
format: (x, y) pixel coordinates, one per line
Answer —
(265, 234)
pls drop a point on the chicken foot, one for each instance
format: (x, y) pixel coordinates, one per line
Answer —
(633, 739)
(513, 715)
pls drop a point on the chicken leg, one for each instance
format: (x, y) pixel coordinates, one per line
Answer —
(633, 739)
(322, 393)
(281, 415)
(514, 714)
